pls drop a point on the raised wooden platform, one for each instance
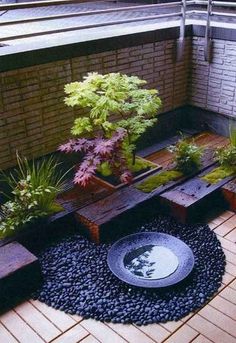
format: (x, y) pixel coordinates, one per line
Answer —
(99, 207)
(119, 209)
(192, 199)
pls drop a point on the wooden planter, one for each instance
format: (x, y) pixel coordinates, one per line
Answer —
(30, 231)
(100, 181)
(128, 202)
(34, 232)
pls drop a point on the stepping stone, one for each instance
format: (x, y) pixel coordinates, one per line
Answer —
(19, 271)
(229, 193)
(194, 198)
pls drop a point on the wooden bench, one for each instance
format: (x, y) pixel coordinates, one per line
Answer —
(120, 208)
(189, 201)
(19, 272)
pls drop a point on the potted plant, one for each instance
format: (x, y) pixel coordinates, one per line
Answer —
(116, 112)
(32, 191)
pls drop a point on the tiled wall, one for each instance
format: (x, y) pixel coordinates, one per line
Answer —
(33, 117)
(213, 85)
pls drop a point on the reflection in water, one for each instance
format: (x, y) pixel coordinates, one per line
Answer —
(151, 262)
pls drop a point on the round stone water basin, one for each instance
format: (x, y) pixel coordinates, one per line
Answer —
(150, 259)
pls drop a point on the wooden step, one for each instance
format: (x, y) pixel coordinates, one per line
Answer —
(19, 272)
(191, 200)
(229, 193)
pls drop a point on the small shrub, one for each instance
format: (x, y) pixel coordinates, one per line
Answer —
(226, 156)
(33, 191)
(187, 156)
(101, 138)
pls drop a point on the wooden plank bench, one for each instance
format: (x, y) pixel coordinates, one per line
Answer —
(75, 198)
(19, 272)
(229, 193)
(120, 208)
(189, 201)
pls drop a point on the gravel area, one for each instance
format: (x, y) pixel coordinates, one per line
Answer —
(77, 279)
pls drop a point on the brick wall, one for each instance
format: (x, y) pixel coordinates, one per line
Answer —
(33, 117)
(213, 85)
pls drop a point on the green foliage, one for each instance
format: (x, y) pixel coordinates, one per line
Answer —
(33, 190)
(226, 156)
(140, 164)
(217, 175)
(111, 103)
(187, 156)
(114, 94)
(232, 134)
(161, 179)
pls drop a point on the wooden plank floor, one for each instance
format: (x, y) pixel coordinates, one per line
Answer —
(34, 322)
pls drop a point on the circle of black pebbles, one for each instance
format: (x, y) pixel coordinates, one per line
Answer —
(77, 279)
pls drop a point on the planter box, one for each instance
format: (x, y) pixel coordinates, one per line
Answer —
(73, 198)
(102, 180)
(30, 232)
(127, 204)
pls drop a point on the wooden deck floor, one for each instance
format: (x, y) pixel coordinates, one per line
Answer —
(35, 322)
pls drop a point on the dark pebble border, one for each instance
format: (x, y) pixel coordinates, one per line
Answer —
(77, 279)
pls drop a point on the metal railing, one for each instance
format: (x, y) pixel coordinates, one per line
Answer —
(180, 10)
(85, 13)
(181, 40)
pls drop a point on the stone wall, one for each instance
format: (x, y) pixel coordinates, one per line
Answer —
(33, 117)
(212, 85)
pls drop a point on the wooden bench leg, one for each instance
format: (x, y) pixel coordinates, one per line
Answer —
(93, 229)
(229, 193)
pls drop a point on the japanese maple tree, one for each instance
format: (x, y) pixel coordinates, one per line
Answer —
(117, 111)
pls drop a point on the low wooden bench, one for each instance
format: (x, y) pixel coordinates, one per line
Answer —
(114, 211)
(188, 201)
(19, 271)
(229, 193)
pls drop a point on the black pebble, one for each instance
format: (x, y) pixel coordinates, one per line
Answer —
(77, 279)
